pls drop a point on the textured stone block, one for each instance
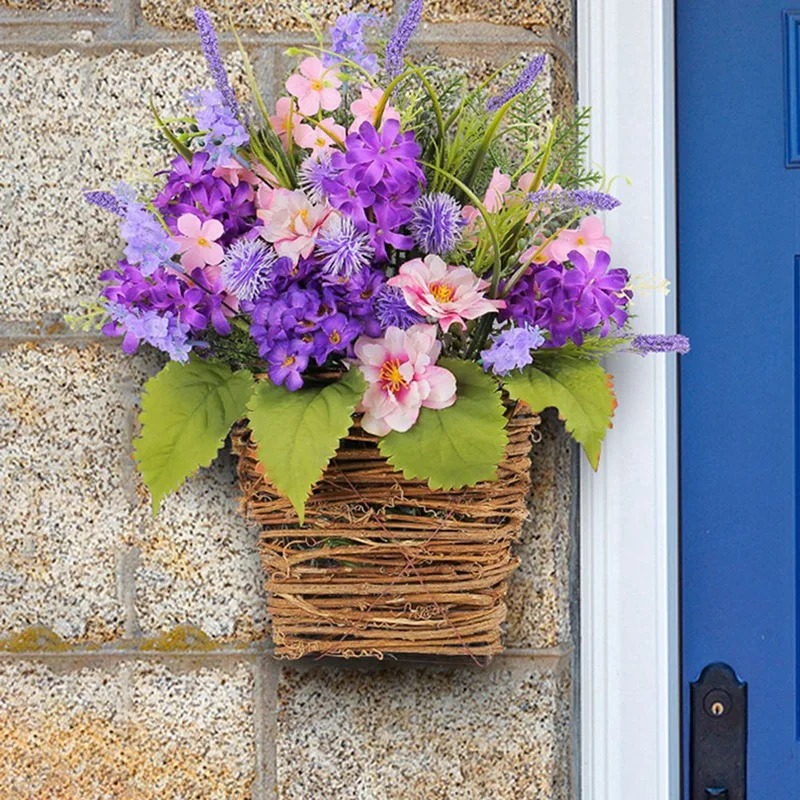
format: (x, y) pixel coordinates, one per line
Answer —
(57, 5)
(554, 14)
(136, 730)
(397, 733)
(261, 15)
(199, 562)
(64, 507)
(539, 591)
(69, 122)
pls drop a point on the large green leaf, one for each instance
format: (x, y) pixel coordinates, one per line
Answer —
(187, 411)
(579, 389)
(298, 432)
(456, 446)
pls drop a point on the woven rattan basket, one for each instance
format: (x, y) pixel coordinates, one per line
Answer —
(386, 565)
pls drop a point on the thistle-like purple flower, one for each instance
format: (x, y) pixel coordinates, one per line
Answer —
(392, 310)
(107, 201)
(398, 43)
(210, 45)
(246, 268)
(511, 349)
(520, 86)
(346, 249)
(312, 175)
(588, 200)
(659, 343)
(437, 223)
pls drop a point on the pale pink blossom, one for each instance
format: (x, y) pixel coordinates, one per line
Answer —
(365, 107)
(526, 181)
(587, 240)
(402, 376)
(319, 139)
(234, 173)
(198, 241)
(292, 223)
(496, 191)
(315, 87)
(532, 254)
(285, 117)
(448, 294)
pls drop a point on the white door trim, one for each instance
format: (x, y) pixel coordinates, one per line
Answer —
(628, 543)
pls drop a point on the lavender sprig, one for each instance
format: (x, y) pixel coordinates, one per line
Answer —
(659, 343)
(521, 85)
(210, 45)
(572, 199)
(398, 43)
(106, 201)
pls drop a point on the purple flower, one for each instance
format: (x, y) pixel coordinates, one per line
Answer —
(149, 245)
(511, 349)
(287, 360)
(392, 311)
(571, 199)
(521, 85)
(346, 249)
(312, 176)
(437, 223)
(210, 45)
(347, 39)
(165, 332)
(225, 134)
(246, 268)
(569, 302)
(335, 334)
(398, 43)
(659, 343)
(106, 201)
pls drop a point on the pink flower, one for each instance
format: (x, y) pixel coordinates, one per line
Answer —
(448, 294)
(234, 173)
(587, 240)
(319, 140)
(292, 223)
(364, 109)
(402, 378)
(315, 87)
(530, 256)
(498, 186)
(199, 241)
(526, 181)
(286, 117)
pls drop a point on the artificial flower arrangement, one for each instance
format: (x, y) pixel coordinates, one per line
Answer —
(385, 248)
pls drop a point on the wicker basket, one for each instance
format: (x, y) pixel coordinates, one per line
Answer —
(386, 565)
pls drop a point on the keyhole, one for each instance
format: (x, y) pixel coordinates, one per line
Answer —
(717, 709)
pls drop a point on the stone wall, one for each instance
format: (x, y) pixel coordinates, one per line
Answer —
(134, 652)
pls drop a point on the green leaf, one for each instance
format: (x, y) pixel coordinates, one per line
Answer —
(457, 446)
(298, 432)
(579, 389)
(187, 411)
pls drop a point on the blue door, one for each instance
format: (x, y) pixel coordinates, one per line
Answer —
(738, 128)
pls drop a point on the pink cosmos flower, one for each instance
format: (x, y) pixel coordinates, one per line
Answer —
(292, 222)
(319, 140)
(199, 241)
(587, 240)
(315, 87)
(402, 378)
(498, 186)
(364, 108)
(448, 294)
(285, 117)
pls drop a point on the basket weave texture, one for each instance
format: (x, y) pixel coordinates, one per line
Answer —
(386, 565)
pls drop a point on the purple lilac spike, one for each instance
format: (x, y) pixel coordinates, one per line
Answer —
(520, 86)
(571, 199)
(398, 43)
(659, 343)
(210, 45)
(347, 40)
(106, 201)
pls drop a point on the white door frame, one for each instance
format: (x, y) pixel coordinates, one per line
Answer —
(629, 673)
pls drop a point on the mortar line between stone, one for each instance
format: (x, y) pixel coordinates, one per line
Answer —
(265, 723)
